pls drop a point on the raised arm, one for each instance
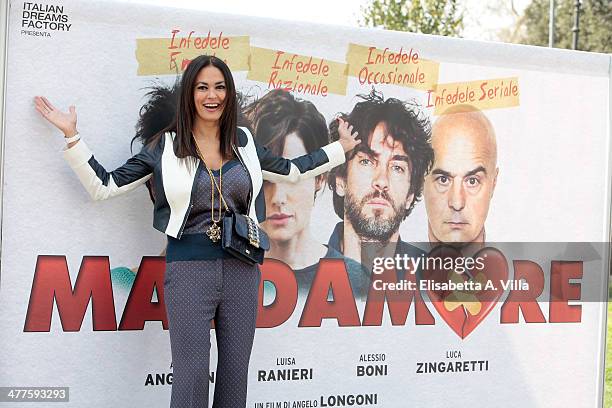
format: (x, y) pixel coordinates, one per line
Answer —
(99, 183)
(278, 169)
(102, 184)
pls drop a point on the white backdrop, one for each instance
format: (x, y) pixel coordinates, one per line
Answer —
(553, 185)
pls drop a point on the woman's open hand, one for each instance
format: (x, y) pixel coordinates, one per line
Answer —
(64, 121)
(347, 139)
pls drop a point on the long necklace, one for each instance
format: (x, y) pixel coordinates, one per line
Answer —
(214, 231)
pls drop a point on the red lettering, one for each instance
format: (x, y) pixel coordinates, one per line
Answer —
(189, 38)
(271, 83)
(363, 75)
(561, 290)
(213, 43)
(172, 45)
(173, 59)
(52, 283)
(429, 105)
(514, 89)
(185, 63)
(414, 57)
(139, 308)
(331, 275)
(483, 88)
(278, 55)
(525, 300)
(370, 61)
(283, 279)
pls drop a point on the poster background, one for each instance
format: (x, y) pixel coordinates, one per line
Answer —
(554, 185)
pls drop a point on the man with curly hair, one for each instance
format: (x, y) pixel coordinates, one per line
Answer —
(382, 179)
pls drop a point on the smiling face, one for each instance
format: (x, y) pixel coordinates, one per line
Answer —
(377, 186)
(459, 188)
(289, 205)
(209, 94)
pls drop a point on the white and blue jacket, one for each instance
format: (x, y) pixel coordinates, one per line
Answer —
(174, 178)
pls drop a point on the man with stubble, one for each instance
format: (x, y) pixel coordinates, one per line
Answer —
(382, 179)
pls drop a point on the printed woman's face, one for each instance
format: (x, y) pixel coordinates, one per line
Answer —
(209, 94)
(288, 206)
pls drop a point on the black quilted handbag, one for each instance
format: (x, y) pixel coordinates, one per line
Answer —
(242, 237)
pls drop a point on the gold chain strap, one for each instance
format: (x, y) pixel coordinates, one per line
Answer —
(219, 185)
(212, 178)
(214, 231)
(253, 229)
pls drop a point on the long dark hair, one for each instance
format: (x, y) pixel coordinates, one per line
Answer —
(161, 112)
(185, 111)
(157, 114)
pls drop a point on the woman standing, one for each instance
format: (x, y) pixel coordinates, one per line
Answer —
(200, 161)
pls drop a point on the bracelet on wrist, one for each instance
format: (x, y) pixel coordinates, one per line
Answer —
(72, 138)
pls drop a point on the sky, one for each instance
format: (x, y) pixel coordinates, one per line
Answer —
(481, 19)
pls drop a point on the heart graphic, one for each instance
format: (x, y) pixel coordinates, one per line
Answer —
(464, 308)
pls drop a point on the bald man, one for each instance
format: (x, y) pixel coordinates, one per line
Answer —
(460, 186)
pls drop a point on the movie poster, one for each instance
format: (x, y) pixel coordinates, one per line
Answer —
(493, 159)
